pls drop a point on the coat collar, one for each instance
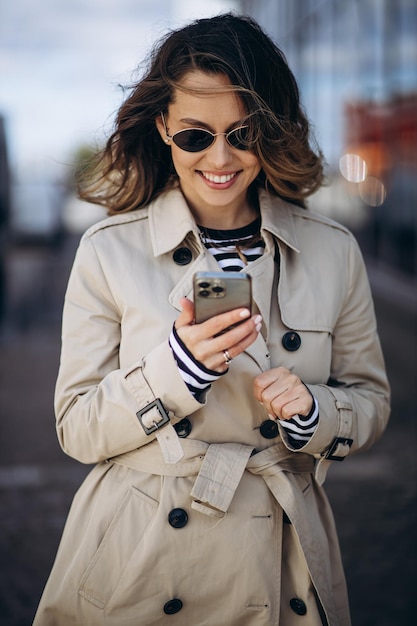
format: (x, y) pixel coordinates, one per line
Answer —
(170, 220)
(278, 218)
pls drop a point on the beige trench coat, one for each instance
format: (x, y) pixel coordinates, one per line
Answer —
(237, 531)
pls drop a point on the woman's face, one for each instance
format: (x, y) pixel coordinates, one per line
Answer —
(214, 181)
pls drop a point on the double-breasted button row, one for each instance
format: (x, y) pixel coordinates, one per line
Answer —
(175, 605)
(177, 518)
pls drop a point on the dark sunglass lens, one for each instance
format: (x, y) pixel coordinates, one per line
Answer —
(239, 138)
(193, 140)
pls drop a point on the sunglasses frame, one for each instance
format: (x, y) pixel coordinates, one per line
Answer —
(203, 130)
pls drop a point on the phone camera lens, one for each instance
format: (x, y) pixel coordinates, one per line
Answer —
(218, 289)
(204, 284)
(204, 293)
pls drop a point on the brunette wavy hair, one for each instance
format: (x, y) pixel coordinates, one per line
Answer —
(135, 165)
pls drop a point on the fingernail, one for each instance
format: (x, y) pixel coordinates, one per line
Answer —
(257, 319)
(244, 313)
(258, 327)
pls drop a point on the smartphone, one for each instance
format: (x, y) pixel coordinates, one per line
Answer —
(219, 292)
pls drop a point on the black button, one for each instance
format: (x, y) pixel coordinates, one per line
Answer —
(172, 606)
(183, 427)
(178, 518)
(298, 606)
(286, 519)
(291, 341)
(182, 256)
(269, 429)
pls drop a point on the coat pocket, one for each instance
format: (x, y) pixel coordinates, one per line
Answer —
(125, 531)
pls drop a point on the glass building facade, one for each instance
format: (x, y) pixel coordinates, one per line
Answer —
(356, 64)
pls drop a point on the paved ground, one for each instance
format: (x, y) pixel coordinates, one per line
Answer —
(373, 495)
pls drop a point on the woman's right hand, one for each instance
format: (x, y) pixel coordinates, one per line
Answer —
(205, 343)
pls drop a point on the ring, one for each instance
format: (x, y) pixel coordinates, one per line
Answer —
(227, 358)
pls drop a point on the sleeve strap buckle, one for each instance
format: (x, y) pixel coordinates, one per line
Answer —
(338, 445)
(149, 423)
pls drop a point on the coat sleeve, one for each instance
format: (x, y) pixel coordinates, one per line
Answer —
(354, 405)
(96, 402)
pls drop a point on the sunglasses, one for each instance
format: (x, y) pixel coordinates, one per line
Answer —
(198, 139)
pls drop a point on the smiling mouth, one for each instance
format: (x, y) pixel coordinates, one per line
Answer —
(218, 179)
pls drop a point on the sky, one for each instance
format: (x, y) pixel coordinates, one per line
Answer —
(62, 63)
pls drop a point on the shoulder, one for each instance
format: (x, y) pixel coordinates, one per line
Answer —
(322, 221)
(302, 229)
(306, 218)
(116, 222)
(281, 212)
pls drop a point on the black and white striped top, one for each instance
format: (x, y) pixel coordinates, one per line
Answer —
(225, 245)
(233, 250)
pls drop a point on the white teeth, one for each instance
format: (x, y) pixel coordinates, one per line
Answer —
(213, 178)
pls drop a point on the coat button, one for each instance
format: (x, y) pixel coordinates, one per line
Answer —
(183, 427)
(178, 518)
(182, 256)
(172, 606)
(298, 606)
(291, 341)
(269, 429)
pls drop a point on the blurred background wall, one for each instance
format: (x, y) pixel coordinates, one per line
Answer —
(62, 65)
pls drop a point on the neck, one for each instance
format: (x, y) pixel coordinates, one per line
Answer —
(227, 222)
(228, 218)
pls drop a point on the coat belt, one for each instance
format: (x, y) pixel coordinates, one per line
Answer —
(218, 467)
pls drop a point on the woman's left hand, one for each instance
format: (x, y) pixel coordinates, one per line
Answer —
(282, 394)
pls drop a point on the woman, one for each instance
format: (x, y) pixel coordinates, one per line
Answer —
(205, 505)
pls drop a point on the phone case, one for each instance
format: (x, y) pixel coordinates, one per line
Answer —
(219, 292)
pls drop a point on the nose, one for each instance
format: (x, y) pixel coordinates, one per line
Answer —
(220, 152)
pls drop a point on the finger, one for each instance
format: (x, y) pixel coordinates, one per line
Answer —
(239, 333)
(270, 376)
(278, 388)
(219, 323)
(301, 405)
(235, 341)
(293, 402)
(264, 381)
(211, 351)
(229, 354)
(186, 316)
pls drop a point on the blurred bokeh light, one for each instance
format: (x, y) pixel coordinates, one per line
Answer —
(353, 168)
